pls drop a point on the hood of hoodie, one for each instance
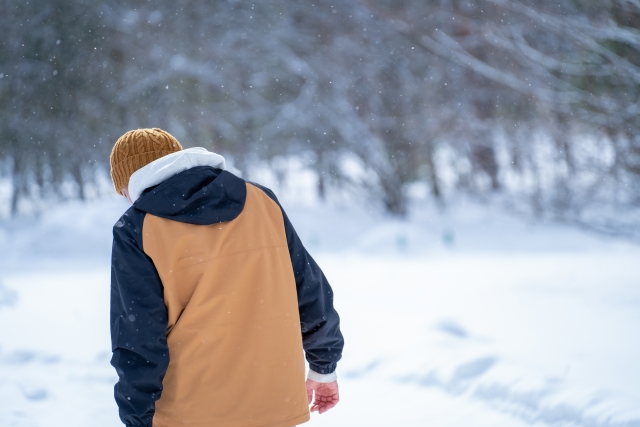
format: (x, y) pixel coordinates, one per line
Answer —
(188, 186)
(165, 167)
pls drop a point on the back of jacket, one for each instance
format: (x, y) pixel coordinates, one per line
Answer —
(234, 333)
(213, 300)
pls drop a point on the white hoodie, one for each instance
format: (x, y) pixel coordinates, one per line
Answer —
(167, 166)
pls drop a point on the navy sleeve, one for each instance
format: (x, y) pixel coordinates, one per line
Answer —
(138, 324)
(321, 336)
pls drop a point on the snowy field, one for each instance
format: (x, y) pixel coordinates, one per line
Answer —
(467, 318)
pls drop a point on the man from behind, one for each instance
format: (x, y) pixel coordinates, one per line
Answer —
(213, 297)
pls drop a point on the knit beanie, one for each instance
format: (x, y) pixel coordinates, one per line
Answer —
(136, 149)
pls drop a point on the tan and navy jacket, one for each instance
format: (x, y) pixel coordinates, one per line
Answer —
(213, 299)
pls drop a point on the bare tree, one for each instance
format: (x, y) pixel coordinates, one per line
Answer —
(538, 100)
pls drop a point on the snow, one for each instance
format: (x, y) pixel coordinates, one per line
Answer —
(465, 317)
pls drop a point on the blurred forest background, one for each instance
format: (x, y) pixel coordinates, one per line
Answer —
(532, 103)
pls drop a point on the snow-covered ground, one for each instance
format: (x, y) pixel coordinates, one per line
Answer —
(465, 318)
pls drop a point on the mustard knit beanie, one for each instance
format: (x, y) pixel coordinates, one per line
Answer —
(136, 149)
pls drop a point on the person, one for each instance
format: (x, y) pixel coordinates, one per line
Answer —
(213, 297)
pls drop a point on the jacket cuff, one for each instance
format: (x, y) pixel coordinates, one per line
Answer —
(322, 378)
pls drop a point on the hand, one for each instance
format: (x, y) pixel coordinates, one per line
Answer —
(326, 395)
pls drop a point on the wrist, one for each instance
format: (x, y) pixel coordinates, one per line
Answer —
(321, 378)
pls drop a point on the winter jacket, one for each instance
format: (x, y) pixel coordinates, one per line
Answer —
(213, 299)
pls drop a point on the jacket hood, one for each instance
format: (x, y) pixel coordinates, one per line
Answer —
(198, 194)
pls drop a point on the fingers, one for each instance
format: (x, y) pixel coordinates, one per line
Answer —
(326, 396)
(323, 403)
(321, 409)
(327, 407)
